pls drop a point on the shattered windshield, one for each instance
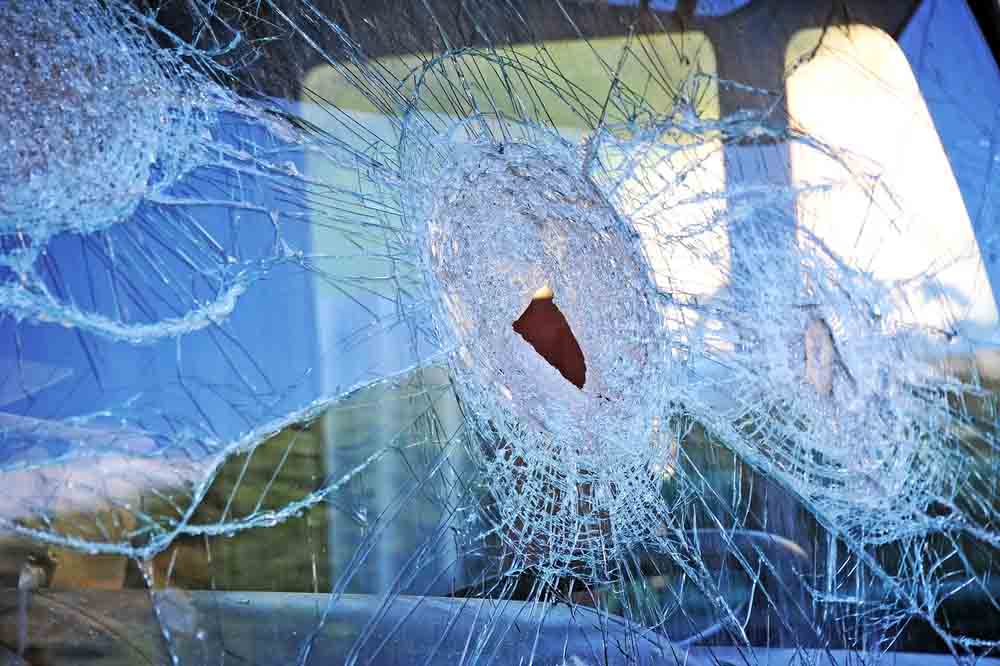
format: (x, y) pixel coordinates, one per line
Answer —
(518, 332)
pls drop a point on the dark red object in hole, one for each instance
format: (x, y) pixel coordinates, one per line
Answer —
(545, 328)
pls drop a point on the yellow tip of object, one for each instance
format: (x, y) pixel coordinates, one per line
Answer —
(544, 292)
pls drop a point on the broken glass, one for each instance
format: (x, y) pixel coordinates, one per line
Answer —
(554, 333)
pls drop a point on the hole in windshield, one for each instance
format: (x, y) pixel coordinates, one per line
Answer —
(543, 326)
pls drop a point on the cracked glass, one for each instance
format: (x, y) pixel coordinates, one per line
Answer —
(517, 332)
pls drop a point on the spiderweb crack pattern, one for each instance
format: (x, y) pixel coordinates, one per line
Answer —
(97, 119)
(728, 347)
(570, 480)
